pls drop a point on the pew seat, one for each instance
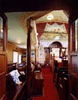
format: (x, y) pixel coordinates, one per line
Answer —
(14, 91)
(63, 88)
(37, 84)
(60, 74)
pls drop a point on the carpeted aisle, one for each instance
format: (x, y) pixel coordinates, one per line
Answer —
(49, 91)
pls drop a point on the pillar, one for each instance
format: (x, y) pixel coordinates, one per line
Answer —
(29, 59)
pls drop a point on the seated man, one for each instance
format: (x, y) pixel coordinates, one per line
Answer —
(55, 70)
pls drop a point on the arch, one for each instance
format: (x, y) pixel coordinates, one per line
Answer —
(55, 44)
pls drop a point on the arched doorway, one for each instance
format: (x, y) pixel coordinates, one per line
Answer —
(56, 48)
(55, 53)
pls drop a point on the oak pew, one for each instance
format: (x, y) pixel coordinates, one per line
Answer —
(64, 87)
(15, 91)
(60, 73)
(37, 83)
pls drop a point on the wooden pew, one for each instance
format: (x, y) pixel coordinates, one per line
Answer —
(37, 84)
(14, 91)
(64, 87)
(11, 66)
(59, 74)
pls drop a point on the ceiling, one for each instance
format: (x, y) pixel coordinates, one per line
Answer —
(50, 32)
(58, 16)
(17, 30)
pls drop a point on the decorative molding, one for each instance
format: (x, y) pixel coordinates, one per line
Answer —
(55, 28)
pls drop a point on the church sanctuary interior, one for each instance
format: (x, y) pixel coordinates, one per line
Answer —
(38, 50)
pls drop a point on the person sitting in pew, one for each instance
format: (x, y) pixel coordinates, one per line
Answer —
(15, 86)
(55, 70)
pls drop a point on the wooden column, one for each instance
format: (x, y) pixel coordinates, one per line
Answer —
(77, 36)
(29, 59)
(5, 33)
(69, 39)
(71, 36)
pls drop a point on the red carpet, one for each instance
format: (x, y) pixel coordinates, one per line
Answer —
(49, 91)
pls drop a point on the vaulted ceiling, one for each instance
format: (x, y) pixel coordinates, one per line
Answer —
(17, 30)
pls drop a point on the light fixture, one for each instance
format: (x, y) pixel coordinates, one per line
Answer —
(18, 41)
(50, 17)
(63, 50)
(1, 30)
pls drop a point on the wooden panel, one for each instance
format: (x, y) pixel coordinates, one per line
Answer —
(73, 77)
(2, 76)
(73, 84)
(73, 62)
(2, 85)
(37, 85)
(2, 65)
(72, 97)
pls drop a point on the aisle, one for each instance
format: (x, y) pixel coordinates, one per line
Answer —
(49, 91)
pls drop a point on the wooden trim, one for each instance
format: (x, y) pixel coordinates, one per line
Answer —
(73, 17)
(2, 53)
(73, 97)
(3, 97)
(74, 53)
(71, 36)
(2, 73)
(3, 16)
(18, 92)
